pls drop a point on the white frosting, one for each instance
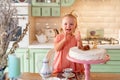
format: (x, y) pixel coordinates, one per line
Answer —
(92, 54)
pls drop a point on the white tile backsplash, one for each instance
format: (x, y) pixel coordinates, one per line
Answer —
(98, 14)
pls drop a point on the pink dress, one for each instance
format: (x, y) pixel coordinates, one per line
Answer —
(60, 60)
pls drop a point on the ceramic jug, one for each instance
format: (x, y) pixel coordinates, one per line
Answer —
(42, 38)
(45, 70)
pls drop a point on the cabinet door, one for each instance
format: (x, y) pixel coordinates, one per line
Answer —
(24, 59)
(55, 11)
(111, 66)
(36, 11)
(46, 11)
(67, 2)
(45, 3)
(114, 54)
(36, 58)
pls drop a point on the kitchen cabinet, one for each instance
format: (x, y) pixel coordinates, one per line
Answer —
(45, 3)
(36, 11)
(36, 57)
(46, 11)
(49, 7)
(67, 3)
(31, 58)
(55, 11)
(53, 3)
(45, 8)
(24, 61)
(111, 66)
(50, 11)
(23, 54)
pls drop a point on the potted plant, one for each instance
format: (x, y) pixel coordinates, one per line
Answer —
(8, 28)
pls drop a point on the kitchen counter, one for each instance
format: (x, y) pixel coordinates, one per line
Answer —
(109, 46)
(41, 45)
(51, 45)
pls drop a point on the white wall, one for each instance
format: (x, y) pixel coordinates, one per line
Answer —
(22, 9)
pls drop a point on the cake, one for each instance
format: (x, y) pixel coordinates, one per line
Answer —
(92, 54)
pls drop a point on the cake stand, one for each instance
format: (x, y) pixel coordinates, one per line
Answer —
(87, 64)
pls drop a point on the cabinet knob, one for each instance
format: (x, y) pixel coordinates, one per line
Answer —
(27, 55)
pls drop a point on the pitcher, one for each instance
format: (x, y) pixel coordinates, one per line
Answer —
(42, 38)
(45, 70)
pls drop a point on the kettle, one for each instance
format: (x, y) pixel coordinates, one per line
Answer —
(42, 38)
(45, 71)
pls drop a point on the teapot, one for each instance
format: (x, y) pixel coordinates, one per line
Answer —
(45, 70)
(42, 38)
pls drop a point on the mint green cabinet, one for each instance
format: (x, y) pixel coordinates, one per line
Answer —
(43, 9)
(36, 11)
(38, 3)
(23, 54)
(111, 66)
(50, 11)
(46, 11)
(49, 8)
(55, 11)
(53, 3)
(67, 2)
(31, 58)
(36, 58)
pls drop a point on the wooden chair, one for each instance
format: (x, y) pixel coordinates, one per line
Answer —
(50, 57)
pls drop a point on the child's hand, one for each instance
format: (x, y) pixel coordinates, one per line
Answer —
(79, 40)
(78, 37)
(66, 37)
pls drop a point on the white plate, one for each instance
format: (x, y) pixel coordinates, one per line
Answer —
(70, 76)
(53, 78)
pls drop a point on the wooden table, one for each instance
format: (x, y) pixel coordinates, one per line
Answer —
(36, 76)
(87, 64)
(30, 76)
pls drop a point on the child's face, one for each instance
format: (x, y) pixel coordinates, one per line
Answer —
(68, 25)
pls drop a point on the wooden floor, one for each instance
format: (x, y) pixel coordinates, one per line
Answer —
(105, 76)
